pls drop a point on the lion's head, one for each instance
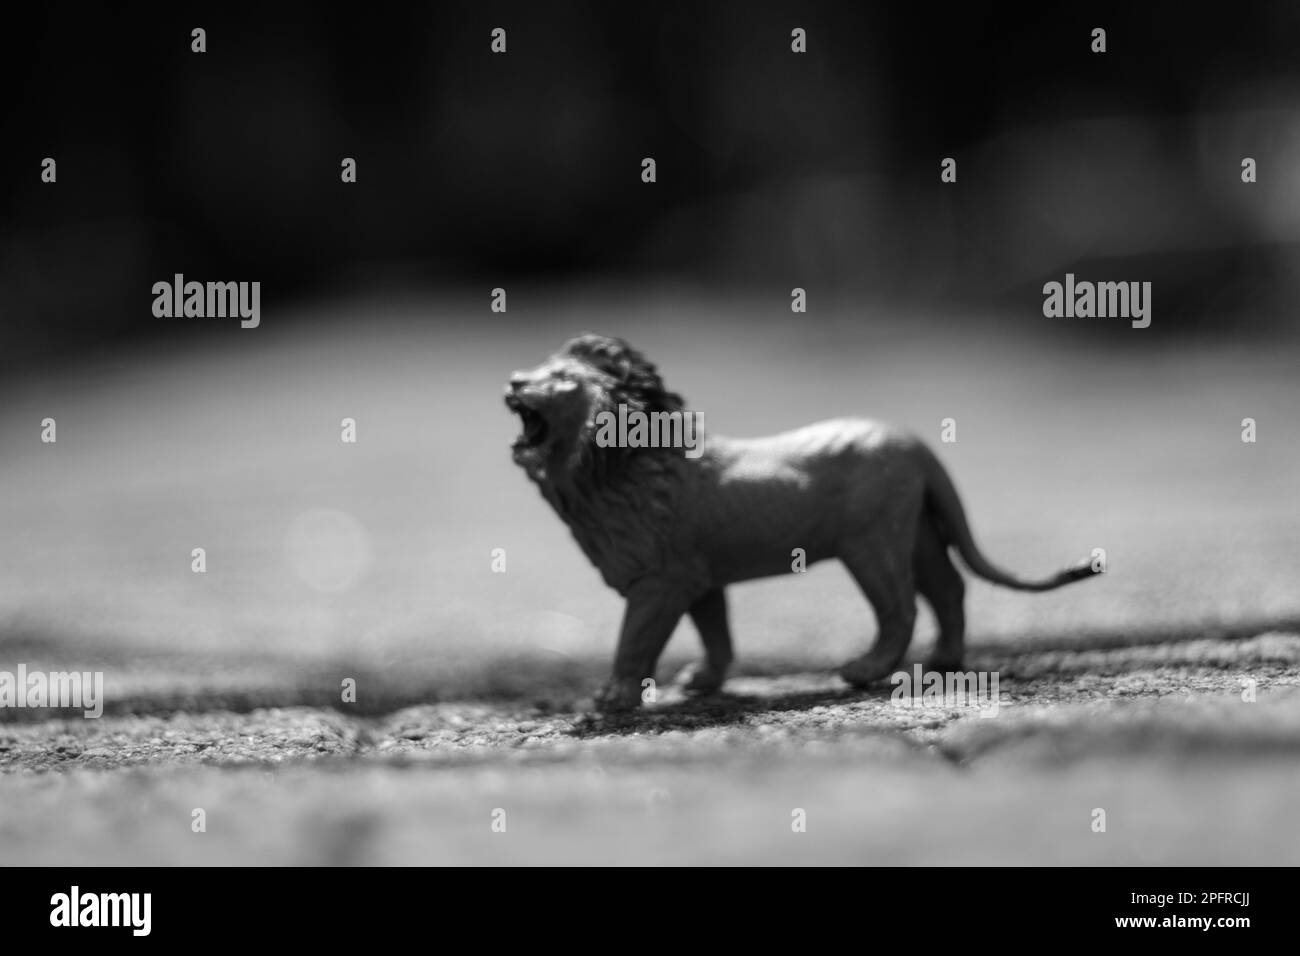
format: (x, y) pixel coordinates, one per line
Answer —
(558, 401)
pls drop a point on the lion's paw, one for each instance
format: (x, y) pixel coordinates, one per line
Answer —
(700, 678)
(619, 694)
(943, 663)
(867, 669)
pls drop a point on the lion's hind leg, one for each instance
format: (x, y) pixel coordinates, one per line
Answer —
(709, 615)
(941, 584)
(884, 572)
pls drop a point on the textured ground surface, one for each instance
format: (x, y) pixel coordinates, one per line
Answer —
(372, 562)
(1158, 736)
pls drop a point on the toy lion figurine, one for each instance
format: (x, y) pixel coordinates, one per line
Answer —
(669, 532)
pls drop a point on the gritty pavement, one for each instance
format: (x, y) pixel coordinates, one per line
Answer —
(1162, 737)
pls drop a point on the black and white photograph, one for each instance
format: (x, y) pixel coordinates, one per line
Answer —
(745, 434)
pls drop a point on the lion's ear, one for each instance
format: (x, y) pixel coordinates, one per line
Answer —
(609, 355)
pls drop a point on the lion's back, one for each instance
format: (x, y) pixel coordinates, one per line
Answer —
(827, 449)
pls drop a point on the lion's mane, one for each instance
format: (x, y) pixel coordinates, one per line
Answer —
(620, 503)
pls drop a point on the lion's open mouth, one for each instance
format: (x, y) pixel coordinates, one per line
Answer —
(535, 428)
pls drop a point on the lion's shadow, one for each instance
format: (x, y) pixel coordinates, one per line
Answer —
(715, 710)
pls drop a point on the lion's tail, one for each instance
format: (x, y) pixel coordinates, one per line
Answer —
(947, 511)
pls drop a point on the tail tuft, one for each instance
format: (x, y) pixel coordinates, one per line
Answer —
(1079, 572)
(1084, 569)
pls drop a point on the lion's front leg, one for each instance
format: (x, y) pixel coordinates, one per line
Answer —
(653, 610)
(709, 614)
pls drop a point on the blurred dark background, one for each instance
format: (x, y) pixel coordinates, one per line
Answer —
(774, 169)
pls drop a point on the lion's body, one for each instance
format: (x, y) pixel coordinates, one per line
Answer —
(820, 489)
(669, 532)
